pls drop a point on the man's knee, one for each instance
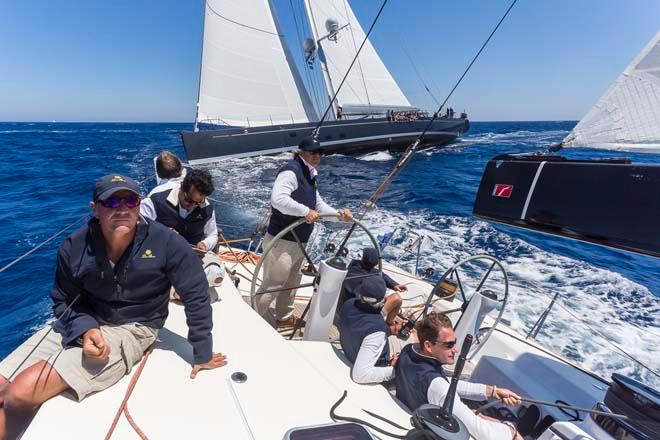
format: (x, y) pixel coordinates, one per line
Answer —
(393, 302)
(33, 387)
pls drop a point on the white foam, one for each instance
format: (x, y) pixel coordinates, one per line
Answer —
(377, 156)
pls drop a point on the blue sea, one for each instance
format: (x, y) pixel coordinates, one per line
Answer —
(49, 169)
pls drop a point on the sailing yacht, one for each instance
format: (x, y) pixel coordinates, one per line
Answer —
(289, 386)
(252, 99)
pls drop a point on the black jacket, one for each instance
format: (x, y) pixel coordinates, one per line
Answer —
(136, 290)
(354, 277)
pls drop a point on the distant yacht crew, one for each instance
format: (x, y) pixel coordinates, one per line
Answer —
(111, 291)
(357, 270)
(170, 172)
(186, 209)
(420, 379)
(294, 196)
(364, 335)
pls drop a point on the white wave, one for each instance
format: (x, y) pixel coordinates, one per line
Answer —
(591, 300)
(376, 156)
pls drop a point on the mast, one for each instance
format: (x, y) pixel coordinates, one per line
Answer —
(199, 78)
(322, 60)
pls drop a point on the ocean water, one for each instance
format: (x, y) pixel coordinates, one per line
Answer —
(608, 299)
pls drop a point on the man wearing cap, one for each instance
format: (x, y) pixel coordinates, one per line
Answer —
(364, 335)
(366, 267)
(185, 208)
(294, 197)
(420, 379)
(110, 298)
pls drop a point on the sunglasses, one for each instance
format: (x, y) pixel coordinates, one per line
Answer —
(447, 344)
(114, 202)
(189, 199)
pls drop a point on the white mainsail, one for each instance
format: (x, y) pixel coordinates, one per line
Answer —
(369, 87)
(246, 76)
(627, 116)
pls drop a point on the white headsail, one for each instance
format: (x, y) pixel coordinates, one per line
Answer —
(369, 87)
(627, 116)
(246, 77)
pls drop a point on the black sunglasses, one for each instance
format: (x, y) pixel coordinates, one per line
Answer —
(447, 344)
(114, 202)
(189, 199)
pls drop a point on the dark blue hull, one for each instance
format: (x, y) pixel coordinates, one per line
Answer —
(345, 137)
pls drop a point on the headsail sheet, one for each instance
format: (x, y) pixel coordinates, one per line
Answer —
(247, 76)
(627, 116)
(369, 83)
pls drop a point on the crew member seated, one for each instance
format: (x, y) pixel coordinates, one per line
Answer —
(420, 380)
(186, 209)
(364, 335)
(357, 271)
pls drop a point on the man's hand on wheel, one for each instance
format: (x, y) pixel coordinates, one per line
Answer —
(311, 216)
(217, 360)
(345, 214)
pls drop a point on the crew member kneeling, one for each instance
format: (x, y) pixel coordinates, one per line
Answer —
(420, 379)
(364, 334)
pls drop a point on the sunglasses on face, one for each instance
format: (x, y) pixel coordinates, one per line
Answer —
(114, 202)
(189, 199)
(447, 344)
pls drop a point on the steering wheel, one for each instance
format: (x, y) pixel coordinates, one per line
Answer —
(342, 250)
(454, 274)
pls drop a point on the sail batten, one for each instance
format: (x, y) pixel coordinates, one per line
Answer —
(627, 116)
(247, 77)
(369, 84)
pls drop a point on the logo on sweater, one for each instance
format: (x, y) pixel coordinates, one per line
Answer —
(147, 254)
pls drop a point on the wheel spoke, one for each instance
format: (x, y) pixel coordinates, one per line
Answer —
(283, 289)
(485, 277)
(304, 251)
(460, 285)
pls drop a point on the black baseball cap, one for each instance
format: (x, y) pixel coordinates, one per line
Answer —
(110, 184)
(309, 143)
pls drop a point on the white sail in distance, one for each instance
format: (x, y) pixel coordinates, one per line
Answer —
(369, 87)
(247, 75)
(627, 116)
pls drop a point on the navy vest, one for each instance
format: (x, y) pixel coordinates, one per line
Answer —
(192, 227)
(414, 374)
(356, 322)
(304, 194)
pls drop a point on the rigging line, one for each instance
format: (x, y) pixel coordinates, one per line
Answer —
(366, 38)
(51, 238)
(410, 151)
(419, 75)
(241, 24)
(350, 28)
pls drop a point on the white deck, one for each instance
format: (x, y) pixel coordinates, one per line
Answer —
(289, 384)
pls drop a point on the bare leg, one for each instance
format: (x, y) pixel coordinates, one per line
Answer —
(26, 392)
(392, 307)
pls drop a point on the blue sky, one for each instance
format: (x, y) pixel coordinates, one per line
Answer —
(139, 60)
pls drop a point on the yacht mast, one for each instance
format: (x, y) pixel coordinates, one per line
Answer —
(199, 78)
(322, 60)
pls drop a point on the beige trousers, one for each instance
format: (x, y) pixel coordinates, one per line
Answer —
(281, 269)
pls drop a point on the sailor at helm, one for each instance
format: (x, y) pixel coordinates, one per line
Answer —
(294, 196)
(110, 296)
(364, 335)
(420, 379)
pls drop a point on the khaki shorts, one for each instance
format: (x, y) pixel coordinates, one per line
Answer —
(84, 375)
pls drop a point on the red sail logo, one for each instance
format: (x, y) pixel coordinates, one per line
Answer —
(502, 190)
